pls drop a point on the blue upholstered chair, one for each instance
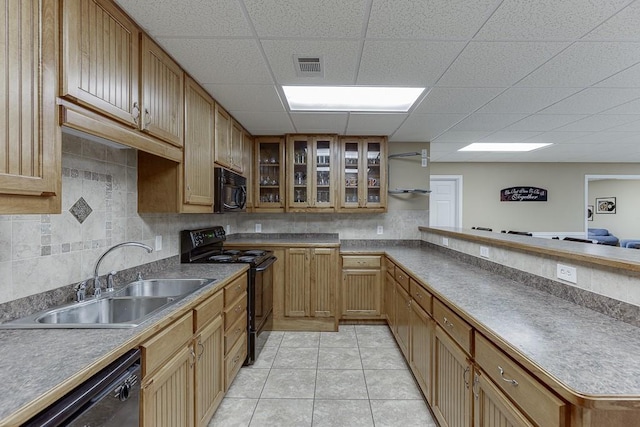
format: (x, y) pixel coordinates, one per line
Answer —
(603, 236)
(630, 243)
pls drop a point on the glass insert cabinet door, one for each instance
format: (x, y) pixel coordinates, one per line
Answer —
(374, 176)
(351, 174)
(363, 172)
(269, 180)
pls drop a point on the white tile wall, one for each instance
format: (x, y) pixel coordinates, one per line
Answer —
(43, 252)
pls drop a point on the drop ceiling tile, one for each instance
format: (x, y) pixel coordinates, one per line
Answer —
(598, 122)
(220, 61)
(526, 100)
(461, 136)
(425, 127)
(374, 124)
(196, 18)
(405, 63)
(622, 26)
(320, 122)
(307, 18)
(632, 107)
(340, 60)
(508, 136)
(625, 78)
(264, 123)
(593, 101)
(633, 125)
(456, 100)
(557, 137)
(544, 122)
(584, 64)
(487, 122)
(547, 19)
(246, 97)
(604, 137)
(434, 19)
(497, 64)
(455, 157)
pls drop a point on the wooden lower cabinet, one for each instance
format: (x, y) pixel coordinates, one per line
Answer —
(421, 339)
(452, 376)
(209, 371)
(390, 300)
(402, 309)
(235, 328)
(361, 287)
(491, 408)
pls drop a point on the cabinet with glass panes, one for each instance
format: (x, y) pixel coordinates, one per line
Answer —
(269, 174)
(311, 173)
(363, 174)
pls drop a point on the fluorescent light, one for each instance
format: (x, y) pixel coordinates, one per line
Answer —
(503, 146)
(351, 98)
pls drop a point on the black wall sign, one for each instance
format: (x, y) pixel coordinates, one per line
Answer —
(523, 194)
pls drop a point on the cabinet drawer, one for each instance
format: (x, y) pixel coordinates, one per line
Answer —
(420, 295)
(234, 360)
(235, 311)
(207, 311)
(234, 289)
(234, 332)
(526, 392)
(402, 278)
(391, 267)
(361, 261)
(164, 344)
(457, 328)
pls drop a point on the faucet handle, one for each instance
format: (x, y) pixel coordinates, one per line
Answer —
(110, 280)
(81, 291)
(139, 276)
(97, 290)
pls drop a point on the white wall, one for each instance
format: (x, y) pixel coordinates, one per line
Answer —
(625, 223)
(563, 212)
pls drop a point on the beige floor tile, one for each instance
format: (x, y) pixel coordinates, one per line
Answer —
(283, 413)
(300, 339)
(265, 358)
(382, 358)
(269, 339)
(341, 384)
(401, 413)
(248, 383)
(375, 336)
(345, 337)
(391, 384)
(234, 413)
(290, 384)
(339, 358)
(332, 413)
(296, 358)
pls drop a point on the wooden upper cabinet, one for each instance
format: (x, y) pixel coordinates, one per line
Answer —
(100, 46)
(30, 150)
(247, 162)
(162, 94)
(222, 149)
(198, 146)
(363, 174)
(236, 149)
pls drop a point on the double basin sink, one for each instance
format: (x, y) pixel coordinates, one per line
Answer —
(123, 308)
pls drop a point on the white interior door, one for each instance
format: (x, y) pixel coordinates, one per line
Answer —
(444, 202)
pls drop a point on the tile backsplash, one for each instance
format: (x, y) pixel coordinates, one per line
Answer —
(39, 253)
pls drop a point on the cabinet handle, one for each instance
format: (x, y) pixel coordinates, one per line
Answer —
(201, 349)
(476, 383)
(508, 380)
(238, 308)
(135, 112)
(235, 360)
(464, 377)
(193, 357)
(147, 118)
(447, 323)
(238, 331)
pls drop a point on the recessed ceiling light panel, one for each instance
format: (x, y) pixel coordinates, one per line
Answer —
(351, 98)
(503, 146)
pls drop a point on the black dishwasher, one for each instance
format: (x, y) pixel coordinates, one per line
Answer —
(109, 398)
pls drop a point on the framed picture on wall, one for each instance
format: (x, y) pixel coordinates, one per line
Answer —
(606, 205)
(589, 212)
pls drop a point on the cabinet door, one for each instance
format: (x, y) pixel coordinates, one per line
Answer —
(324, 264)
(100, 59)
(421, 336)
(452, 375)
(209, 379)
(374, 177)
(198, 146)
(269, 175)
(162, 94)
(299, 176)
(492, 408)
(30, 139)
(361, 290)
(296, 293)
(403, 308)
(222, 150)
(235, 149)
(349, 173)
(167, 396)
(322, 185)
(247, 166)
(389, 301)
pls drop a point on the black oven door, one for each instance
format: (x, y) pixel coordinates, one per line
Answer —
(260, 304)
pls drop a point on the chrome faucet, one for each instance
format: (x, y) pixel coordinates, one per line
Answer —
(96, 280)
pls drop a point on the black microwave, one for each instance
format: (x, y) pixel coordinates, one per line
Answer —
(230, 191)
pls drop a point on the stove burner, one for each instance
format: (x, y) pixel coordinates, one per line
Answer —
(254, 252)
(221, 258)
(231, 252)
(246, 258)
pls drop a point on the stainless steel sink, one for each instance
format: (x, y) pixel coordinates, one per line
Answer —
(162, 287)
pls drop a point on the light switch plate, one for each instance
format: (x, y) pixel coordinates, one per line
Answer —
(484, 251)
(445, 241)
(158, 243)
(380, 229)
(565, 272)
(258, 228)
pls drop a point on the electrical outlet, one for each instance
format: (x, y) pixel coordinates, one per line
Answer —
(158, 243)
(445, 241)
(258, 228)
(380, 229)
(565, 272)
(484, 251)
(228, 229)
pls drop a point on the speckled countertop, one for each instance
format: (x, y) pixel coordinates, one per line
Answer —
(588, 352)
(37, 361)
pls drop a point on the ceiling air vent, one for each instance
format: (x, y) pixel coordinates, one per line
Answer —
(308, 66)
